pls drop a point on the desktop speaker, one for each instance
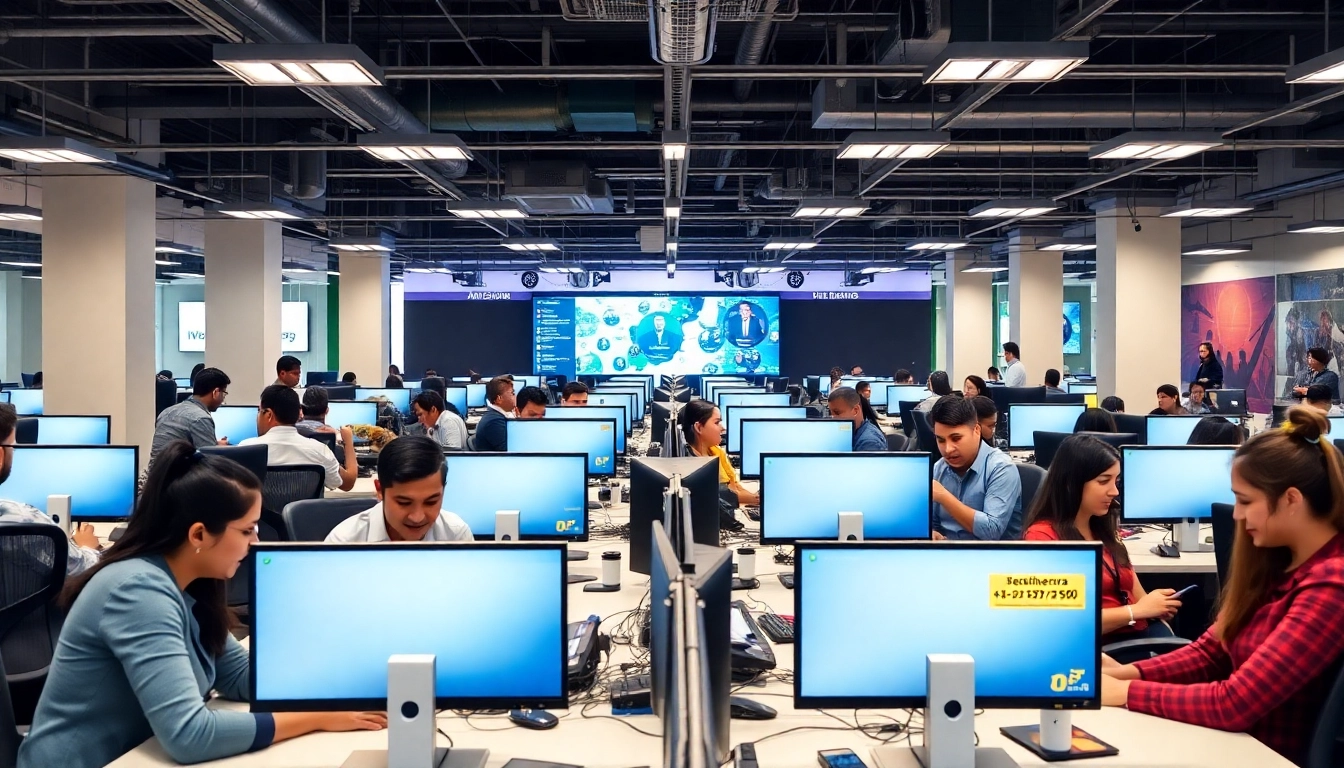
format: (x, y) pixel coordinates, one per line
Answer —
(506, 525)
(58, 509)
(851, 526)
(949, 717)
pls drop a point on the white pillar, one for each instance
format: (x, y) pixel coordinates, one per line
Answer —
(969, 309)
(1035, 304)
(242, 304)
(11, 336)
(98, 301)
(366, 316)
(1138, 309)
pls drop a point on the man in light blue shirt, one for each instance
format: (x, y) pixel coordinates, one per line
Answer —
(1014, 373)
(977, 493)
(846, 404)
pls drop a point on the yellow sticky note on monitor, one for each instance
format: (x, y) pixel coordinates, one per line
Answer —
(1038, 590)
(1091, 400)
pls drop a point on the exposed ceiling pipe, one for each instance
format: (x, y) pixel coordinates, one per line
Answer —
(751, 46)
(108, 31)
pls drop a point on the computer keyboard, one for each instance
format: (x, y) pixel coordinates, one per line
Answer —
(787, 580)
(753, 513)
(775, 627)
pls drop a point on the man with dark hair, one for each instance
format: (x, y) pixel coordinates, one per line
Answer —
(530, 403)
(845, 404)
(409, 486)
(988, 415)
(856, 370)
(190, 419)
(1317, 372)
(349, 378)
(574, 394)
(287, 371)
(442, 425)
(1052, 382)
(993, 374)
(1113, 404)
(977, 493)
(1168, 402)
(904, 377)
(276, 417)
(316, 403)
(491, 432)
(83, 542)
(1318, 397)
(1014, 372)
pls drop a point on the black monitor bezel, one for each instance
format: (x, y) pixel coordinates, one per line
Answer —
(1092, 701)
(728, 440)
(778, 540)
(359, 399)
(484, 399)
(135, 476)
(354, 402)
(1148, 421)
(614, 426)
(1124, 455)
(21, 414)
(467, 456)
(1018, 447)
(747, 390)
(757, 474)
(641, 403)
(107, 439)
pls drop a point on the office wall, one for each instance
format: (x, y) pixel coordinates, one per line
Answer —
(454, 336)
(32, 325)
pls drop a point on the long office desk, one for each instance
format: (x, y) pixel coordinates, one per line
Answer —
(1144, 561)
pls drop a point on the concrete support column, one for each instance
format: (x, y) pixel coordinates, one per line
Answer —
(11, 315)
(1035, 304)
(1138, 309)
(242, 303)
(969, 310)
(365, 316)
(98, 301)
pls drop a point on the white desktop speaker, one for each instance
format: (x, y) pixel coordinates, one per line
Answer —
(58, 509)
(949, 717)
(851, 526)
(506, 525)
(410, 711)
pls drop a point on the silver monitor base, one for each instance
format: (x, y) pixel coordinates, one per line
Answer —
(909, 757)
(443, 758)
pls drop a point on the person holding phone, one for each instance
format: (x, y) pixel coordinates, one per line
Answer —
(1077, 502)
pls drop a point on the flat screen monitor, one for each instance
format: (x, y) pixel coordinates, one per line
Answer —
(1336, 426)
(594, 437)
(182, 383)
(458, 397)
(708, 385)
(235, 423)
(26, 402)
(475, 395)
(649, 478)
(461, 379)
(614, 412)
(100, 479)
(1082, 388)
(352, 413)
(74, 430)
(792, 436)
(1168, 484)
(401, 398)
(906, 393)
(892, 490)
(866, 648)
(628, 402)
(410, 384)
(1171, 430)
(1026, 419)
(734, 414)
(723, 395)
(877, 393)
(4, 396)
(644, 381)
(526, 380)
(498, 634)
(641, 402)
(548, 490)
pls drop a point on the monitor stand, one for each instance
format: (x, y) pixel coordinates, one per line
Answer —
(851, 526)
(443, 758)
(572, 554)
(1186, 533)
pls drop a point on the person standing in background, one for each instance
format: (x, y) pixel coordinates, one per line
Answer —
(1210, 371)
(1014, 372)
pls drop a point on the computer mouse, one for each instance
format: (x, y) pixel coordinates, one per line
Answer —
(1166, 550)
(742, 708)
(535, 719)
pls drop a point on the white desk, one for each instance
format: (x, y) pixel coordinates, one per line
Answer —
(1145, 561)
(363, 490)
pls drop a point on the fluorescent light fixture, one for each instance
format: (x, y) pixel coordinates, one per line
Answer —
(789, 244)
(1216, 249)
(184, 275)
(272, 211)
(1208, 209)
(880, 270)
(401, 147)
(829, 208)
(1322, 227)
(762, 270)
(937, 245)
(675, 144)
(561, 269)
(333, 273)
(893, 145)
(671, 207)
(531, 245)
(1068, 244)
(169, 249)
(1005, 62)
(23, 264)
(166, 263)
(31, 277)
(297, 269)
(1014, 208)
(972, 268)
(671, 246)
(381, 243)
(1327, 68)
(486, 209)
(304, 64)
(19, 213)
(421, 270)
(52, 149)
(1156, 145)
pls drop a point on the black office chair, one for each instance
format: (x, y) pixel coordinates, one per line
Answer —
(896, 441)
(1065, 397)
(10, 737)
(314, 519)
(1047, 445)
(287, 484)
(907, 407)
(1224, 534)
(924, 430)
(32, 572)
(1133, 423)
(252, 457)
(1325, 749)
(25, 431)
(165, 395)
(1131, 651)
(1031, 476)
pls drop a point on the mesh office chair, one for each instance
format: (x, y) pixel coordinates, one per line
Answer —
(924, 433)
(1325, 750)
(896, 441)
(283, 485)
(1032, 477)
(10, 738)
(32, 573)
(1131, 651)
(313, 519)
(1224, 534)
(907, 407)
(25, 431)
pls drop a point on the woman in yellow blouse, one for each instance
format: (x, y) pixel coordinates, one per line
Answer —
(703, 429)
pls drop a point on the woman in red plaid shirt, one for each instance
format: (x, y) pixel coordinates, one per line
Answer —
(1267, 664)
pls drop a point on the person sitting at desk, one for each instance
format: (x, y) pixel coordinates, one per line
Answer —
(1317, 373)
(442, 425)
(846, 405)
(1052, 379)
(393, 372)
(1318, 397)
(987, 413)
(904, 377)
(530, 403)
(315, 406)
(83, 546)
(1210, 370)
(147, 634)
(409, 486)
(575, 394)
(288, 370)
(190, 419)
(1267, 664)
(977, 493)
(1197, 404)
(973, 386)
(1113, 404)
(1216, 430)
(1095, 420)
(492, 433)
(1078, 501)
(992, 374)
(856, 370)
(350, 378)
(702, 428)
(1168, 402)
(837, 373)
(939, 386)
(276, 417)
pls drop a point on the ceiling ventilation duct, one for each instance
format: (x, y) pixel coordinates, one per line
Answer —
(557, 188)
(681, 32)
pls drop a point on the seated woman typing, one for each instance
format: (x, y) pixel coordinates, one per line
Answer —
(702, 427)
(1077, 502)
(147, 635)
(1269, 660)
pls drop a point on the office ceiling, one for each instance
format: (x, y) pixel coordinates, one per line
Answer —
(562, 103)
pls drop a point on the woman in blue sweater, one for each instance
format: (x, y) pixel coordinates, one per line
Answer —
(147, 636)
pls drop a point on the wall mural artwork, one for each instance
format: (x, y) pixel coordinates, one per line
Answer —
(1310, 312)
(1237, 317)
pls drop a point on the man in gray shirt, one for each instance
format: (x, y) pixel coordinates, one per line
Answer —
(190, 419)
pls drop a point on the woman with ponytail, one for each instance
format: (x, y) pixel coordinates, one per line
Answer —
(147, 634)
(1269, 660)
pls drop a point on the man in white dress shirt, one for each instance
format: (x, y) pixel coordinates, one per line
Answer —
(276, 419)
(1014, 373)
(411, 477)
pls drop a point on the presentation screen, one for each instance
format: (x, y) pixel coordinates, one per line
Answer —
(655, 333)
(191, 326)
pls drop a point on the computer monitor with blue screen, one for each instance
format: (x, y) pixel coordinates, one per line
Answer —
(729, 398)
(802, 495)
(412, 385)
(458, 397)
(1336, 426)
(4, 396)
(792, 436)
(498, 635)
(614, 412)
(1082, 387)
(1171, 430)
(628, 402)
(594, 437)
(352, 413)
(644, 381)
(74, 430)
(1169, 484)
(906, 393)
(235, 422)
(26, 402)
(877, 393)
(475, 395)
(1026, 419)
(548, 490)
(709, 385)
(461, 379)
(724, 395)
(100, 479)
(401, 398)
(641, 402)
(733, 415)
(867, 648)
(526, 380)
(182, 383)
